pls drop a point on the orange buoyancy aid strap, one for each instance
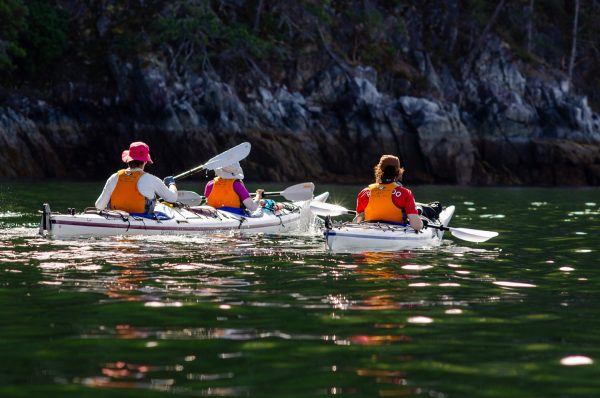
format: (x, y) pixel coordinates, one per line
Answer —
(381, 207)
(223, 194)
(126, 196)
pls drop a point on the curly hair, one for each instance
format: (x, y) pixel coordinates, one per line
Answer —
(388, 169)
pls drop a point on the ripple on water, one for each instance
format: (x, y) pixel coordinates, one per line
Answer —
(513, 284)
(496, 216)
(416, 267)
(586, 212)
(576, 360)
(202, 308)
(13, 214)
(423, 320)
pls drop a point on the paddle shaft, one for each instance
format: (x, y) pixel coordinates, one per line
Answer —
(226, 158)
(203, 199)
(440, 227)
(189, 173)
(298, 192)
(268, 194)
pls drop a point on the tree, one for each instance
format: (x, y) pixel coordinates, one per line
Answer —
(45, 37)
(530, 26)
(13, 15)
(573, 43)
(474, 52)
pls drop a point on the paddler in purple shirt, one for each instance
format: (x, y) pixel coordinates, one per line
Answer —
(227, 191)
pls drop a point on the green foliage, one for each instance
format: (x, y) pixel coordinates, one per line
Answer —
(196, 33)
(239, 37)
(127, 44)
(12, 22)
(318, 11)
(270, 36)
(45, 37)
(33, 34)
(382, 57)
(188, 23)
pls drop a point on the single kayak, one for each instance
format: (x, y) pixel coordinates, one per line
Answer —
(369, 236)
(176, 220)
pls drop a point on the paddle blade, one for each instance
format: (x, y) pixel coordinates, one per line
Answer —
(303, 191)
(228, 157)
(328, 209)
(472, 235)
(189, 198)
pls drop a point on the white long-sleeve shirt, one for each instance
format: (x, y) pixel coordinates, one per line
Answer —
(148, 185)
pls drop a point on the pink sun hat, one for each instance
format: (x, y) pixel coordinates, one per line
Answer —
(137, 151)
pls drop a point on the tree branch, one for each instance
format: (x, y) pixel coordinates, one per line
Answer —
(573, 44)
(482, 38)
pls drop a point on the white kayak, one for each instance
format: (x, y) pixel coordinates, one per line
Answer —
(184, 220)
(351, 237)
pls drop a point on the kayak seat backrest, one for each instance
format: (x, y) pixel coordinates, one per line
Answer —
(234, 210)
(157, 215)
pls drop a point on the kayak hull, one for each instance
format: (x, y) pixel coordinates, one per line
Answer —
(351, 237)
(197, 220)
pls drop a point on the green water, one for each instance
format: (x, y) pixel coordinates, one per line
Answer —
(278, 316)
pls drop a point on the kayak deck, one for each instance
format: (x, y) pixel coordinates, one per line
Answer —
(351, 237)
(177, 221)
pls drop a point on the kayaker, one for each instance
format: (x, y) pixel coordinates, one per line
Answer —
(227, 191)
(387, 200)
(133, 190)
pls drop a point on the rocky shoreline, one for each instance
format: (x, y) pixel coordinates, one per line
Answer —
(496, 125)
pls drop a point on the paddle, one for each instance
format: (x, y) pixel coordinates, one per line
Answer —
(303, 191)
(468, 234)
(329, 209)
(226, 158)
(189, 198)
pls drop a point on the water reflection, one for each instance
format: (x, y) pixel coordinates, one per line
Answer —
(279, 315)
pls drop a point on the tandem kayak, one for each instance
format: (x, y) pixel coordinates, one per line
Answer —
(351, 237)
(182, 220)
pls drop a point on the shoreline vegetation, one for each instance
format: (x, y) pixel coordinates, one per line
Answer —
(465, 92)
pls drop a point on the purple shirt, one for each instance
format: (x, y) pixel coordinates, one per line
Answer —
(238, 187)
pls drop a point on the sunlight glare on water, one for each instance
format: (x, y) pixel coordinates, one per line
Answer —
(276, 316)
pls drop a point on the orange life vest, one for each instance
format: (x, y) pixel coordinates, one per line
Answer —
(223, 195)
(381, 207)
(126, 196)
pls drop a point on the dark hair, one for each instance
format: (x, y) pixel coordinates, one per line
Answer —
(390, 174)
(135, 164)
(388, 170)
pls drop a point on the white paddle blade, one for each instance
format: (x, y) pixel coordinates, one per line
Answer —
(328, 209)
(298, 192)
(189, 198)
(473, 235)
(228, 157)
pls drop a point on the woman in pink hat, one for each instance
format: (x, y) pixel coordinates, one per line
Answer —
(133, 190)
(387, 200)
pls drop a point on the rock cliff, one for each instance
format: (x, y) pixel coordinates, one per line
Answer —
(499, 122)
